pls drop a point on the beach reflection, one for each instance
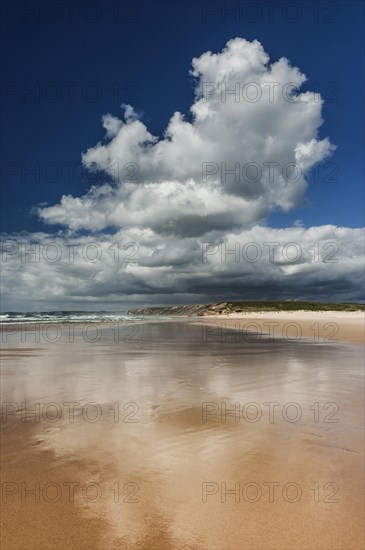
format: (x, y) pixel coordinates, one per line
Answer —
(170, 412)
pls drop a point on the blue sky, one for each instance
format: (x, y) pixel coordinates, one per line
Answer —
(141, 54)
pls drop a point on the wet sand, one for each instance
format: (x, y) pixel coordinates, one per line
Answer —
(148, 455)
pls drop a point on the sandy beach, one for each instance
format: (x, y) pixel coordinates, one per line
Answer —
(330, 327)
(195, 434)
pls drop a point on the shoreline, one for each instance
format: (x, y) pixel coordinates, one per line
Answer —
(318, 327)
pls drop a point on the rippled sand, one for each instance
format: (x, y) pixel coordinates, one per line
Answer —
(145, 457)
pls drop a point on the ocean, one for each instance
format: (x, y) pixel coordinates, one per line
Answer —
(66, 316)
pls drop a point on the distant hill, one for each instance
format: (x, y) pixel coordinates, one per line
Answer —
(223, 308)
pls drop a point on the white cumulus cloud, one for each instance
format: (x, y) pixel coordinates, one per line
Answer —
(190, 208)
(185, 178)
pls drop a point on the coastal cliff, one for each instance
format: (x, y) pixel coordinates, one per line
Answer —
(224, 308)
